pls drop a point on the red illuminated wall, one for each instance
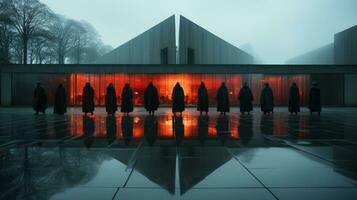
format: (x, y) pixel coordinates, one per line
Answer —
(190, 84)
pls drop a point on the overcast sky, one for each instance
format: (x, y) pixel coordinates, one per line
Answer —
(276, 29)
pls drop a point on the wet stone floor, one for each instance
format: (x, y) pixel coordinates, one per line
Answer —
(190, 157)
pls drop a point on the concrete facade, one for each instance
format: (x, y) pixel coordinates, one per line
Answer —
(321, 56)
(207, 48)
(346, 46)
(6, 89)
(155, 46)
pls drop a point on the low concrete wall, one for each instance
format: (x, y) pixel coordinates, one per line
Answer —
(6, 87)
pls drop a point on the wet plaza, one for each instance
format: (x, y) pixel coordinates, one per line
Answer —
(190, 157)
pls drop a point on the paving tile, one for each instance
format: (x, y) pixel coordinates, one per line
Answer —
(315, 193)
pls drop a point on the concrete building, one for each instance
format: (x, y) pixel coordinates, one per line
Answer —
(155, 46)
(158, 46)
(199, 46)
(346, 46)
(321, 56)
(343, 51)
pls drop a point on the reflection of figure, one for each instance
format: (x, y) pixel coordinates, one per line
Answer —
(294, 99)
(222, 99)
(61, 128)
(127, 100)
(151, 99)
(245, 129)
(111, 125)
(267, 125)
(202, 103)
(40, 99)
(203, 128)
(88, 131)
(178, 99)
(127, 125)
(267, 99)
(245, 97)
(178, 128)
(150, 129)
(222, 127)
(60, 105)
(315, 99)
(111, 105)
(293, 126)
(88, 99)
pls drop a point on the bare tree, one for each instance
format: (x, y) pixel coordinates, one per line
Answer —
(6, 32)
(30, 17)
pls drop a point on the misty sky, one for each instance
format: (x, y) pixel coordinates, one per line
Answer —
(276, 29)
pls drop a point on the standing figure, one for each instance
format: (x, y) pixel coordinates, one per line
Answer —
(202, 103)
(267, 99)
(151, 99)
(245, 97)
(178, 99)
(88, 99)
(40, 99)
(294, 99)
(315, 99)
(60, 106)
(127, 100)
(222, 99)
(111, 105)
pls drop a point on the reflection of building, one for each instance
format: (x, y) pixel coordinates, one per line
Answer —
(158, 46)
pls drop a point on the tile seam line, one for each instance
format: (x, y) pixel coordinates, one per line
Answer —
(256, 178)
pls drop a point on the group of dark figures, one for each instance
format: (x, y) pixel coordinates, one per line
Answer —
(151, 99)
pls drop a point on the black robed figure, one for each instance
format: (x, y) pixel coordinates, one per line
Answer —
(245, 98)
(60, 106)
(88, 99)
(294, 99)
(202, 103)
(40, 99)
(127, 99)
(222, 99)
(151, 99)
(178, 99)
(267, 99)
(111, 105)
(315, 99)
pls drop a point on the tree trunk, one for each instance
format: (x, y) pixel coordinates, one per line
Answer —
(25, 42)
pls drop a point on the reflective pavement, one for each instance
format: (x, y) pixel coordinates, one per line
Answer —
(188, 157)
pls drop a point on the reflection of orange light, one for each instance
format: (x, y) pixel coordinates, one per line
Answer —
(136, 93)
(230, 93)
(136, 120)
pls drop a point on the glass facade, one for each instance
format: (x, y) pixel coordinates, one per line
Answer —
(190, 84)
(24, 83)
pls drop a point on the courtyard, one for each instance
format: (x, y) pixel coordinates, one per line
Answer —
(165, 157)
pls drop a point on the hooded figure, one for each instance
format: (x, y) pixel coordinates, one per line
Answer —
(111, 105)
(178, 99)
(202, 103)
(60, 106)
(294, 99)
(88, 99)
(315, 99)
(40, 99)
(267, 99)
(245, 97)
(222, 99)
(151, 99)
(127, 99)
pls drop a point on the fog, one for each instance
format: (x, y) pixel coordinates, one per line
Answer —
(273, 30)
